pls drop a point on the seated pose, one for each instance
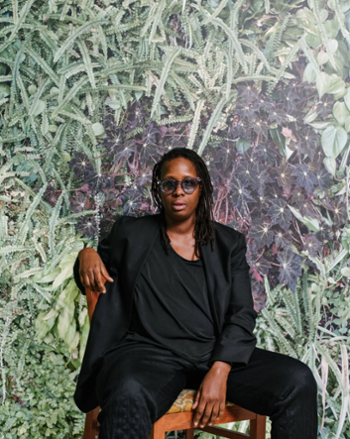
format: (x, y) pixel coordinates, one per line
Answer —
(177, 312)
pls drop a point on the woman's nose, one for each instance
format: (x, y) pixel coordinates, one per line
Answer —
(178, 188)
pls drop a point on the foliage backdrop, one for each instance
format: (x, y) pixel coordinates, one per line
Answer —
(92, 94)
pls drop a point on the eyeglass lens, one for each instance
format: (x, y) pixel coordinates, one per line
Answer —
(188, 185)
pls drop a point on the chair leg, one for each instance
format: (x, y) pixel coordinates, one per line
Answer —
(91, 429)
(157, 432)
(152, 433)
(258, 427)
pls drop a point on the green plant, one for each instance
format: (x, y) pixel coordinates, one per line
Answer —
(81, 80)
(294, 324)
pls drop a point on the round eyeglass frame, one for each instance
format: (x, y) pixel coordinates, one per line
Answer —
(197, 179)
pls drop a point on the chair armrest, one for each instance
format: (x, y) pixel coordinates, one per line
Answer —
(92, 298)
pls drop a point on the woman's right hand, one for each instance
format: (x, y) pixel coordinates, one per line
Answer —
(91, 268)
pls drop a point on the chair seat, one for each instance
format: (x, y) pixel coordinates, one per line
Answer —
(184, 401)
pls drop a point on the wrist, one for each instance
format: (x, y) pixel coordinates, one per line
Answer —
(222, 367)
(85, 250)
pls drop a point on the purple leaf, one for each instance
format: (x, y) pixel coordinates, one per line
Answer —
(290, 268)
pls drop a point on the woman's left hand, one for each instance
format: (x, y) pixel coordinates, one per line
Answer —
(211, 396)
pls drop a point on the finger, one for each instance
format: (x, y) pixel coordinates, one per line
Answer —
(214, 414)
(105, 273)
(221, 411)
(86, 281)
(99, 282)
(199, 412)
(206, 415)
(196, 399)
(92, 282)
(93, 286)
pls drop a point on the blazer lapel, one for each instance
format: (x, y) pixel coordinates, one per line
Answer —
(217, 272)
(139, 245)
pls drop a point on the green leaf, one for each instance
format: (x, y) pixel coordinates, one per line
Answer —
(242, 145)
(4, 91)
(82, 316)
(74, 343)
(347, 124)
(345, 238)
(323, 14)
(39, 107)
(345, 271)
(233, 38)
(115, 104)
(138, 94)
(332, 46)
(65, 319)
(32, 89)
(311, 115)
(309, 74)
(320, 125)
(333, 141)
(66, 265)
(87, 61)
(164, 75)
(322, 83)
(66, 296)
(98, 129)
(340, 112)
(43, 326)
(51, 276)
(212, 121)
(69, 336)
(279, 140)
(336, 84)
(332, 28)
(330, 164)
(322, 57)
(347, 99)
(71, 39)
(311, 223)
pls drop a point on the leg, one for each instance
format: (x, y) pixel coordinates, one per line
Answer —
(136, 385)
(280, 387)
(258, 427)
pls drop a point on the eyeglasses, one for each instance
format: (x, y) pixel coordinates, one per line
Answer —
(189, 185)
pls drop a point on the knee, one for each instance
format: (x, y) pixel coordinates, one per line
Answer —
(130, 388)
(126, 391)
(302, 380)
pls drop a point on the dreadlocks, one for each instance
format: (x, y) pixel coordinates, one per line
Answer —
(204, 225)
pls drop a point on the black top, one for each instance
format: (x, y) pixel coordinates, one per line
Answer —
(171, 307)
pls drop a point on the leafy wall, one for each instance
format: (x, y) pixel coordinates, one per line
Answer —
(92, 94)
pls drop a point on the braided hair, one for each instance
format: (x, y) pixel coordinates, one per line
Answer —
(204, 225)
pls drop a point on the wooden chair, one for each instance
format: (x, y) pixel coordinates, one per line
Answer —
(179, 416)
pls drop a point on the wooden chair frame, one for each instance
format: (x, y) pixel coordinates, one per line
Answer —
(182, 420)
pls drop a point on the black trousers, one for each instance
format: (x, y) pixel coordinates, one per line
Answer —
(138, 383)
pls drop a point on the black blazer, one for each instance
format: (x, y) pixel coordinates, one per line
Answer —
(124, 252)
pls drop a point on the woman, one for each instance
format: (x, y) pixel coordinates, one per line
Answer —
(178, 313)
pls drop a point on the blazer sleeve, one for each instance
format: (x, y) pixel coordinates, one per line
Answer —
(104, 250)
(236, 342)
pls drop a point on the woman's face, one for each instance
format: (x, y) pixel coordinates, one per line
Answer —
(179, 205)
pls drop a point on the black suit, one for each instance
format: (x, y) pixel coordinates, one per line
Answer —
(136, 383)
(123, 252)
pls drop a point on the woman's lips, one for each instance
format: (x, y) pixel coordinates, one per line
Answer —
(179, 206)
